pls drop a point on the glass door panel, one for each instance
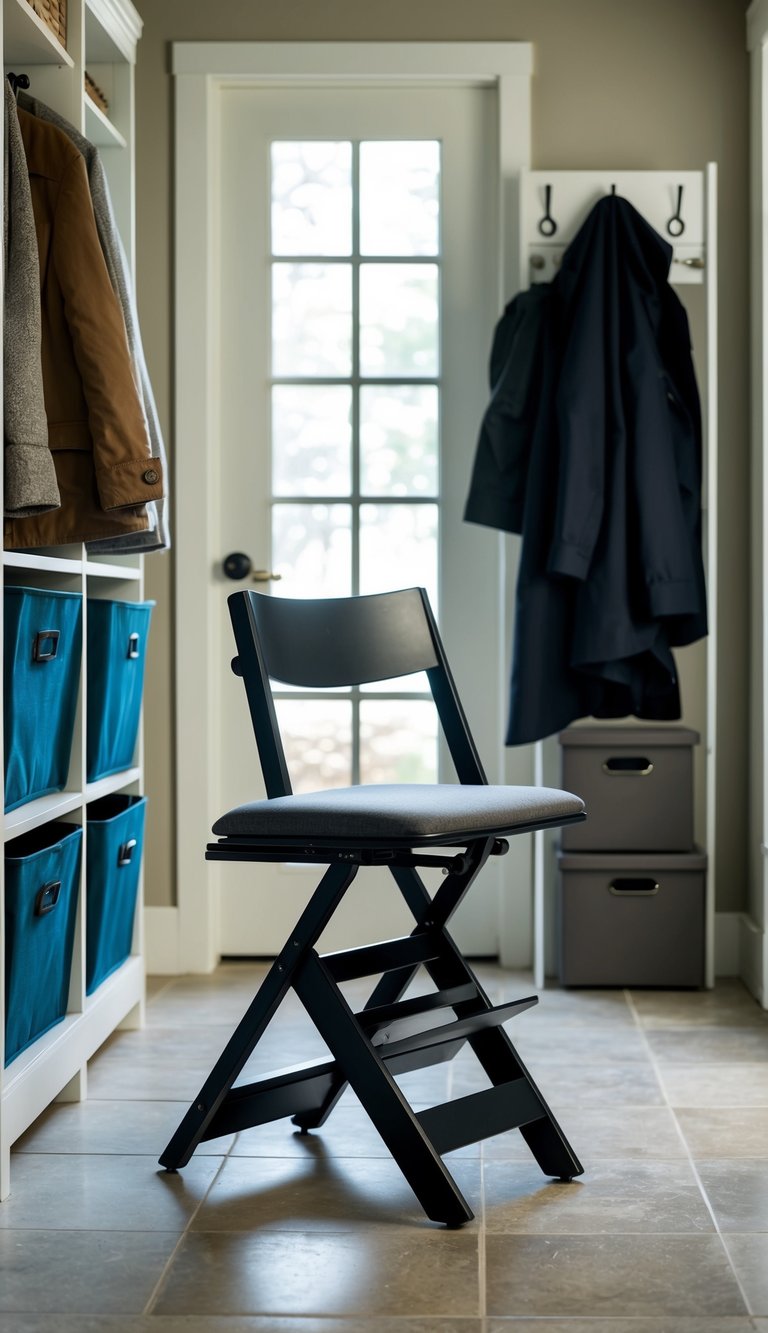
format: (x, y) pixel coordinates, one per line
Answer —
(354, 435)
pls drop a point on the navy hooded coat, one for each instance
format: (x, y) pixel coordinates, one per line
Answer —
(591, 447)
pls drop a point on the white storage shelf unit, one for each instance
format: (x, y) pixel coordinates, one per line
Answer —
(101, 37)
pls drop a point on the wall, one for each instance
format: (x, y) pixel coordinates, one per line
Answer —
(656, 84)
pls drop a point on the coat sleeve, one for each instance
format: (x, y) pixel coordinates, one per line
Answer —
(126, 473)
(500, 472)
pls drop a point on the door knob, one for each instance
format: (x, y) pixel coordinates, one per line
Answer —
(237, 565)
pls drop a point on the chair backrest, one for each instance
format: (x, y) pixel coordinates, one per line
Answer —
(341, 641)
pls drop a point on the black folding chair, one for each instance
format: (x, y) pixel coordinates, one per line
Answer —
(346, 642)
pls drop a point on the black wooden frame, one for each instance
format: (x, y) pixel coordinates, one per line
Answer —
(390, 1034)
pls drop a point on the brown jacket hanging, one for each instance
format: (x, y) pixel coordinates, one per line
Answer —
(96, 425)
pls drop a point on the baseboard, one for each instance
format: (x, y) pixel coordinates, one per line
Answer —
(727, 932)
(161, 941)
(751, 947)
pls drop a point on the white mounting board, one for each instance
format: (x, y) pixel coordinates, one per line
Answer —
(575, 193)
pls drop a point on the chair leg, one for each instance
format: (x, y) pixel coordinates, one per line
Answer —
(380, 1096)
(492, 1046)
(270, 994)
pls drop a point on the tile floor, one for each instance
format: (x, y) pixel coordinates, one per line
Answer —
(663, 1095)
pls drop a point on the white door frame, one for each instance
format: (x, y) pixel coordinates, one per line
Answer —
(201, 69)
(753, 936)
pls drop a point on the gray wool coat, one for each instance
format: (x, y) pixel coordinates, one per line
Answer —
(157, 537)
(30, 485)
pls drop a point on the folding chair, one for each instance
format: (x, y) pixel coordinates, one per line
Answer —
(347, 642)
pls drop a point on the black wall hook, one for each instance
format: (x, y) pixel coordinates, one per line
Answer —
(676, 226)
(547, 224)
(18, 82)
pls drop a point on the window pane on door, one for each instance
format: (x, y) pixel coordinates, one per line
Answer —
(312, 549)
(398, 548)
(317, 738)
(399, 198)
(311, 439)
(398, 741)
(311, 319)
(398, 439)
(398, 320)
(311, 198)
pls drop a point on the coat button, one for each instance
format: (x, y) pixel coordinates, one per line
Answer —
(151, 477)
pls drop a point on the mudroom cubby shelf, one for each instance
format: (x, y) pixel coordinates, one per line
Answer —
(102, 36)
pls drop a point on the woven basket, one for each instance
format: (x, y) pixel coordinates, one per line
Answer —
(54, 15)
(95, 93)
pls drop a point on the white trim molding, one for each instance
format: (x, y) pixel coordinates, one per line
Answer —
(161, 941)
(335, 62)
(202, 70)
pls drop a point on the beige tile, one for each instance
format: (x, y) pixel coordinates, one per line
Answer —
(715, 1085)
(617, 1085)
(699, 1324)
(225, 1324)
(348, 1132)
(728, 1004)
(364, 1273)
(593, 1044)
(323, 1193)
(92, 1193)
(80, 1272)
(725, 1132)
(749, 1256)
(705, 1045)
(638, 1197)
(738, 1192)
(600, 1276)
(119, 1127)
(599, 1132)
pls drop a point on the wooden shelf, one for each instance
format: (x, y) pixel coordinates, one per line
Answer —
(103, 570)
(50, 564)
(27, 40)
(41, 811)
(99, 128)
(115, 782)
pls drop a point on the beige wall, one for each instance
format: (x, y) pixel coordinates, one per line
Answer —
(618, 83)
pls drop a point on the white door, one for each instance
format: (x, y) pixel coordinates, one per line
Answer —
(358, 291)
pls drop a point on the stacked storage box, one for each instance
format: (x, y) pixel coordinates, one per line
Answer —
(631, 890)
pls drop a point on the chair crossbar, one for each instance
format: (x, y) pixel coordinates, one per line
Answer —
(381, 1014)
(386, 956)
(480, 1115)
(448, 1032)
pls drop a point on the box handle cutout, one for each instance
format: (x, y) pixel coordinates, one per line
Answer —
(125, 853)
(47, 897)
(133, 645)
(633, 888)
(41, 654)
(628, 766)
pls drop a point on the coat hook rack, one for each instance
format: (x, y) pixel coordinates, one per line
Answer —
(676, 226)
(547, 225)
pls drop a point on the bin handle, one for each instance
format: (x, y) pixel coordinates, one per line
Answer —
(47, 897)
(628, 766)
(633, 888)
(133, 645)
(125, 852)
(40, 654)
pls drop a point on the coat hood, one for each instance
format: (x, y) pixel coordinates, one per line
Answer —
(615, 228)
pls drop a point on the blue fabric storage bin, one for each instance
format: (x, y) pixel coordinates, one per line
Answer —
(112, 864)
(42, 875)
(41, 673)
(117, 642)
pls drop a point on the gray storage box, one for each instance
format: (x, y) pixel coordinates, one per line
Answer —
(631, 920)
(637, 785)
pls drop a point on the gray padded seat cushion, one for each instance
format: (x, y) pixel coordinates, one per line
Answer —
(401, 811)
